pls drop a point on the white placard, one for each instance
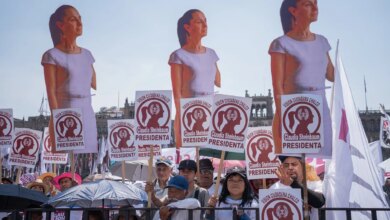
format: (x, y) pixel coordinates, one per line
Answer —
(384, 135)
(230, 119)
(68, 129)
(195, 120)
(47, 151)
(144, 151)
(280, 204)
(25, 148)
(120, 140)
(152, 117)
(302, 123)
(6, 128)
(260, 153)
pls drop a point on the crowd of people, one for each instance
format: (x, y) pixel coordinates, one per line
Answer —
(190, 188)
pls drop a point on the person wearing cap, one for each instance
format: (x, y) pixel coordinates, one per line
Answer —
(236, 193)
(177, 191)
(47, 179)
(158, 186)
(38, 185)
(188, 169)
(206, 177)
(290, 174)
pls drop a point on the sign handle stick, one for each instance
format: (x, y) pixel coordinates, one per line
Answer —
(264, 183)
(1, 166)
(150, 173)
(123, 171)
(18, 175)
(305, 196)
(54, 168)
(197, 163)
(219, 173)
(72, 164)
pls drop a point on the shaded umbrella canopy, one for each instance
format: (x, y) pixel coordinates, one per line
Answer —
(14, 197)
(106, 176)
(100, 193)
(217, 154)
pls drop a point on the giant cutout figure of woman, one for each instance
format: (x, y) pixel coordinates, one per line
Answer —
(194, 70)
(69, 72)
(300, 62)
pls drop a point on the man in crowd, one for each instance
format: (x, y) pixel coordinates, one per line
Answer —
(164, 173)
(290, 175)
(206, 177)
(188, 169)
(176, 198)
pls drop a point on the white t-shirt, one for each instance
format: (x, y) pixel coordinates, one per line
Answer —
(188, 203)
(230, 203)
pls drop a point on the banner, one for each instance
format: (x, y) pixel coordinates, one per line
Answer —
(47, 151)
(121, 139)
(68, 129)
(152, 117)
(278, 204)
(260, 155)
(144, 151)
(25, 148)
(384, 135)
(229, 121)
(187, 153)
(302, 123)
(195, 120)
(6, 128)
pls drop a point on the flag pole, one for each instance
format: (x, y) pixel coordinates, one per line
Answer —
(197, 164)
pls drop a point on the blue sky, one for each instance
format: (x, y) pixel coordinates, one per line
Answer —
(132, 40)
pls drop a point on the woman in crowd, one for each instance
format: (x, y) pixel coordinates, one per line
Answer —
(236, 193)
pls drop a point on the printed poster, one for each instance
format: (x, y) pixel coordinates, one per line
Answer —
(47, 151)
(153, 117)
(276, 204)
(68, 129)
(230, 119)
(25, 148)
(302, 123)
(121, 140)
(260, 155)
(6, 128)
(195, 120)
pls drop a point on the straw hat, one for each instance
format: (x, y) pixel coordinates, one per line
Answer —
(44, 175)
(38, 182)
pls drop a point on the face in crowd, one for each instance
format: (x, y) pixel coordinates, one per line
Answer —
(206, 178)
(189, 174)
(293, 168)
(236, 185)
(65, 183)
(163, 171)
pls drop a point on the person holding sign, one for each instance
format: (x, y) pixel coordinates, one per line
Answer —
(194, 70)
(69, 73)
(300, 62)
(290, 175)
(236, 193)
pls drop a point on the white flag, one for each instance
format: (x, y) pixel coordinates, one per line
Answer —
(338, 178)
(360, 181)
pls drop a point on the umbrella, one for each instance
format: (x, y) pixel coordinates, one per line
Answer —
(107, 176)
(135, 170)
(217, 154)
(17, 197)
(101, 193)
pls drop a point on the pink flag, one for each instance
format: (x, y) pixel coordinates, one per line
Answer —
(338, 178)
